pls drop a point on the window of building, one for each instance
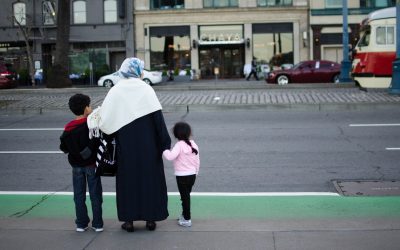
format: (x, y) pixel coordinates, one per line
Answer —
(333, 3)
(49, 13)
(19, 10)
(220, 3)
(110, 11)
(263, 3)
(273, 43)
(384, 35)
(79, 12)
(377, 3)
(167, 4)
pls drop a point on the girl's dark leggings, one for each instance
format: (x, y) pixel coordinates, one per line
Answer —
(185, 184)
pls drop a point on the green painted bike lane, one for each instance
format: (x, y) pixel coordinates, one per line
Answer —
(218, 207)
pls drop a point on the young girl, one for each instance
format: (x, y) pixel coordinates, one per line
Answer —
(186, 161)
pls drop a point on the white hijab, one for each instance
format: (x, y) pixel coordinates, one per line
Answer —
(127, 101)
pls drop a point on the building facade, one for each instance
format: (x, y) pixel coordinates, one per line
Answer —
(210, 37)
(220, 36)
(326, 25)
(101, 33)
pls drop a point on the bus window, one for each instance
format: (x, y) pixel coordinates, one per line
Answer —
(390, 35)
(364, 41)
(384, 35)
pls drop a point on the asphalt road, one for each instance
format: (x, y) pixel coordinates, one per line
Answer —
(241, 151)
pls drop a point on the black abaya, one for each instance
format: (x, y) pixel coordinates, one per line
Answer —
(140, 181)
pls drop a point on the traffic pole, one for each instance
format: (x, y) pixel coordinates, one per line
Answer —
(394, 87)
(346, 64)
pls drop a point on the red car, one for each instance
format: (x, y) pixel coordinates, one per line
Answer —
(317, 71)
(8, 77)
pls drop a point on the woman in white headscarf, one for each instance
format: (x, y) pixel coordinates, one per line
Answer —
(132, 112)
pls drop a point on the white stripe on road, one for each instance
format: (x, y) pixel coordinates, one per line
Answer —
(31, 129)
(376, 125)
(31, 152)
(392, 148)
(193, 194)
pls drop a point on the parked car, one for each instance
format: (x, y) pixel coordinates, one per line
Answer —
(8, 77)
(149, 77)
(315, 71)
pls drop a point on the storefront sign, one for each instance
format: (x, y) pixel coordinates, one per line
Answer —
(227, 34)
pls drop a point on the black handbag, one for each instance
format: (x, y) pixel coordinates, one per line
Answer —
(106, 160)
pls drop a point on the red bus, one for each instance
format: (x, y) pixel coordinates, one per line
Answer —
(375, 52)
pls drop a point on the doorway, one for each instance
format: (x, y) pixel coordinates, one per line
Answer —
(229, 61)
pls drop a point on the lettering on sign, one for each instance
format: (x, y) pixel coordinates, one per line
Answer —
(227, 37)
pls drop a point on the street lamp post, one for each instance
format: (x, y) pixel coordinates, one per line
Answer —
(394, 87)
(345, 68)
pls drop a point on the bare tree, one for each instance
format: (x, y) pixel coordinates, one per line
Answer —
(58, 74)
(26, 31)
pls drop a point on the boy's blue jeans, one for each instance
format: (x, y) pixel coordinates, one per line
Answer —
(81, 175)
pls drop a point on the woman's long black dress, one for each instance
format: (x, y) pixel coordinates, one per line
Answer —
(140, 181)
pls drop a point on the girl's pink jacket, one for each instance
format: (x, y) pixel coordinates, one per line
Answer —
(185, 162)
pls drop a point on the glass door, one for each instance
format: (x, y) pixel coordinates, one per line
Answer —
(229, 61)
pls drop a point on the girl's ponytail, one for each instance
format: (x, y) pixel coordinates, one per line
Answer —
(193, 149)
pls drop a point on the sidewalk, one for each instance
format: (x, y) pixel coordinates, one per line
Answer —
(214, 95)
(224, 222)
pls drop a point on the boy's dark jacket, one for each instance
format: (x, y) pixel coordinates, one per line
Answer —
(76, 143)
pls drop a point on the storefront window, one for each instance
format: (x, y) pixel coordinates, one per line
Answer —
(264, 3)
(79, 63)
(167, 4)
(273, 44)
(110, 11)
(19, 10)
(220, 3)
(49, 13)
(79, 10)
(170, 53)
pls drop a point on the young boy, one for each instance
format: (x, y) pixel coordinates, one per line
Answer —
(82, 156)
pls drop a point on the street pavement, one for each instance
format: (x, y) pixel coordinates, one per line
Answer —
(220, 221)
(214, 95)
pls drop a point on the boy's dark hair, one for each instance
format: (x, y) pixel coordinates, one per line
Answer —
(182, 131)
(78, 102)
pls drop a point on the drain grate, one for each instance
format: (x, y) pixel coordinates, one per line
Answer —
(367, 187)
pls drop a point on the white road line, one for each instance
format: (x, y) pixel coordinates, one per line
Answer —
(31, 152)
(224, 194)
(376, 125)
(31, 129)
(392, 148)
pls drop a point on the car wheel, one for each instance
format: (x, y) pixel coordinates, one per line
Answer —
(336, 78)
(282, 80)
(148, 81)
(108, 83)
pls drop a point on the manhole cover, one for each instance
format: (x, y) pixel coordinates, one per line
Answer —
(368, 188)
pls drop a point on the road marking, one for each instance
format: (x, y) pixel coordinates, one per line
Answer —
(215, 194)
(392, 148)
(31, 152)
(376, 125)
(31, 129)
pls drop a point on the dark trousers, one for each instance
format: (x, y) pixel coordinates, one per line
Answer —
(81, 176)
(253, 72)
(185, 184)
